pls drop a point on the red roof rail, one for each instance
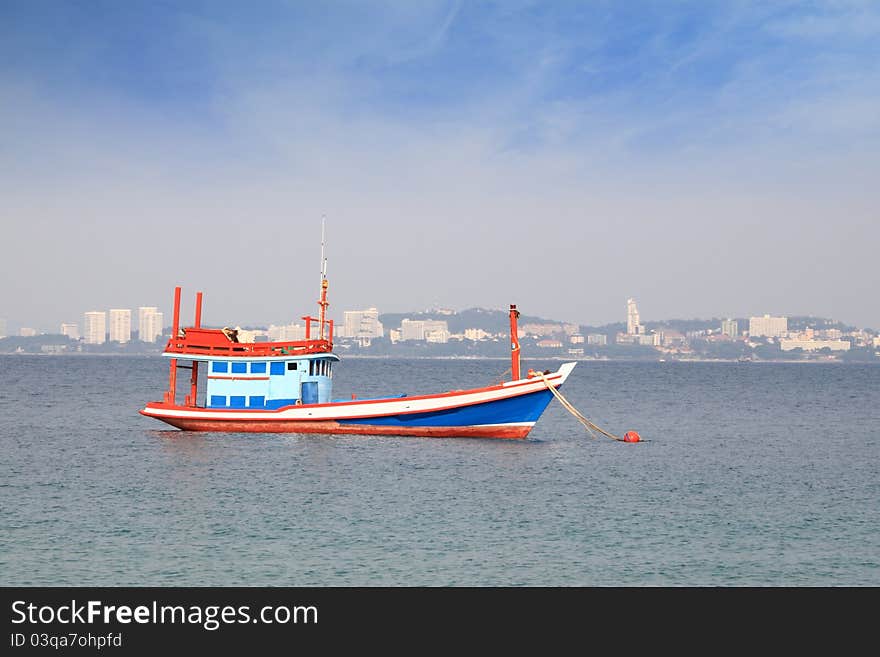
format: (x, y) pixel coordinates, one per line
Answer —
(215, 342)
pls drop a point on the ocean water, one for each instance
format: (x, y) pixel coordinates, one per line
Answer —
(751, 474)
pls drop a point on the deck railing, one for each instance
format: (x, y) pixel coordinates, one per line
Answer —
(214, 342)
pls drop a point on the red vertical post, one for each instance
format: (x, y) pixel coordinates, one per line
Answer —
(175, 330)
(514, 343)
(331, 332)
(194, 375)
(322, 302)
(308, 320)
(176, 323)
(198, 322)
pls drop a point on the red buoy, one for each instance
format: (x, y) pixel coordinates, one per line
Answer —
(631, 437)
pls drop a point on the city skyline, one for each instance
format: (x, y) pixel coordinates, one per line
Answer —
(766, 338)
(709, 159)
(52, 327)
(365, 323)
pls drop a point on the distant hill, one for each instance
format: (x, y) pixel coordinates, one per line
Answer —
(496, 321)
(491, 321)
(799, 323)
(685, 325)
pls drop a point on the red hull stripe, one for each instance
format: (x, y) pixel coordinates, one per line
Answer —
(331, 427)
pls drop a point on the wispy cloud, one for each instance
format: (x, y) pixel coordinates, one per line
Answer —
(442, 133)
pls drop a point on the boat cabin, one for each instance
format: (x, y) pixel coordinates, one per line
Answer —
(269, 383)
(251, 376)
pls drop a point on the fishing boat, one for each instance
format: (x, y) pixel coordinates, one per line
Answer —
(286, 387)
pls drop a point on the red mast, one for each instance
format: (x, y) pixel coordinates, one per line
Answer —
(323, 303)
(194, 376)
(514, 343)
(175, 329)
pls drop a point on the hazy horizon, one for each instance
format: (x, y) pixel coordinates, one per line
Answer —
(707, 159)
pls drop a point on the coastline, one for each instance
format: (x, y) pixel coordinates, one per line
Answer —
(554, 358)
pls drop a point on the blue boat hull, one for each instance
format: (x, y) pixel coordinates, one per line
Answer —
(514, 410)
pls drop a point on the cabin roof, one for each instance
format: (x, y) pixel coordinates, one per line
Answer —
(212, 344)
(208, 358)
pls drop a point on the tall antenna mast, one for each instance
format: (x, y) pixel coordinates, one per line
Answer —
(323, 259)
(322, 302)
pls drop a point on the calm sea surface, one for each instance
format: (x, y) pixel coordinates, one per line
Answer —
(754, 474)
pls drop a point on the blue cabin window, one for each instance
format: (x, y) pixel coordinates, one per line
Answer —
(257, 401)
(258, 368)
(218, 400)
(239, 368)
(236, 401)
(276, 368)
(219, 366)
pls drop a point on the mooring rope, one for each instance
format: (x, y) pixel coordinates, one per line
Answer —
(590, 426)
(501, 379)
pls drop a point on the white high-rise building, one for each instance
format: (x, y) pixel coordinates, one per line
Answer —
(2, 328)
(286, 333)
(597, 339)
(633, 327)
(95, 327)
(362, 324)
(729, 328)
(767, 326)
(149, 323)
(417, 329)
(120, 325)
(476, 334)
(70, 330)
(440, 336)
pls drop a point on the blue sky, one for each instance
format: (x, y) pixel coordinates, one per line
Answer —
(708, 158)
